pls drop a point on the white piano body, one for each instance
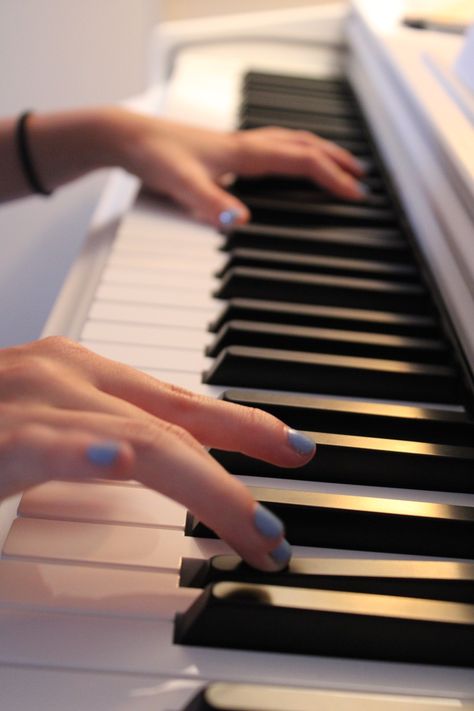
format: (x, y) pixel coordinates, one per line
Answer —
(88, 572)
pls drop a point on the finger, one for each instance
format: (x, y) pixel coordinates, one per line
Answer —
(343, 158)
(287, 158)
(161, 456)
(97, 384)
(34, 453)
(212, 422)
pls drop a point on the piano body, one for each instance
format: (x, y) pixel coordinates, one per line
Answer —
(89, 572)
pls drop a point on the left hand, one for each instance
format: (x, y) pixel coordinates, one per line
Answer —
(188, 164)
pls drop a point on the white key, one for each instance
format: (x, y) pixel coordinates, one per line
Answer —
(156, 295)
(174, 279)
(92, 590)
(214, 262)
(148, 357)
(145, 646)
(154, 315)
(25, 689)
(106, 544)
(101, 503)
(138, 334)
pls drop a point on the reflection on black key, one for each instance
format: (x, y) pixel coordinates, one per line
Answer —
(323, 289)
(366, 523)
(225, 696)
(327, 340)
(359, 417)
(242, 366)
(321, 264)
(366, 320)
(348, 459)
(373, 244)
(305, 621)
(435, 580)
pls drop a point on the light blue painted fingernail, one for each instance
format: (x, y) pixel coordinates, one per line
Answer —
(363, 188)
(301, 443)
(103, 453)
(267, 523)
(228, 218)
(282, 553)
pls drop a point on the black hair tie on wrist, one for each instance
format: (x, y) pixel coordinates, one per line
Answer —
(24, 152)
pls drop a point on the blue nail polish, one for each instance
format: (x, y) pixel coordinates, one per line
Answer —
(282, 553)
(267, 523)
(103, 453)
(301, 443)
(227, 218)
(364, 189)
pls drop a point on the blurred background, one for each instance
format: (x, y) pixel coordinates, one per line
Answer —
(62, 53)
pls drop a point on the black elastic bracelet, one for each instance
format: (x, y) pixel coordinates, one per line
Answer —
(24, 152)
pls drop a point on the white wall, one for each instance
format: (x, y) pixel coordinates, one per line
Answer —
(185, 9)
(59, 53)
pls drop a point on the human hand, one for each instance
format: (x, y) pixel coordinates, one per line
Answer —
(188, 164)
(67, 413)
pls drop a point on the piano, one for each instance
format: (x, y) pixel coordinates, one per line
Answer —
(350, 321)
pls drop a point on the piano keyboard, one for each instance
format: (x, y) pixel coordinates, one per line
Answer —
(319, 312)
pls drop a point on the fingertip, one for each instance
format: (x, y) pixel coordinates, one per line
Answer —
(302, 443)
(231, 216)
(111, 455)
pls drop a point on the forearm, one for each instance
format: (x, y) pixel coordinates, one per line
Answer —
(63, 146)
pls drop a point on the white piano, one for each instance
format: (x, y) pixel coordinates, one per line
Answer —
(88, 592)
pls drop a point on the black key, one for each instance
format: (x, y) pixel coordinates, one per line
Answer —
(323, 123)
(322, 103)
(332, 623)
(282, 212)
(372, 461)
(372, 419)
(335, 86)
(242, 366)
(225, 696)
(385, 245)
(283, 190)
(325, 317)
(327, 340)
(311, 264)
(435, 580)
(323, 289)
(365, 523)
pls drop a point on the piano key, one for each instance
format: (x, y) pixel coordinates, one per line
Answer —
(56, 689)
(436, 580)
(220, 696)
(153, 315)
(134, 646)
(366, 523)
(318, 104)
(326, 290)
(165, 262)
(269, 259)
(372, 461)
(243, 366)
(285, 212)
(360, 417)
(311, 85)
(107, 545)
(86, 589)
(387, 322)
(327, 340)
(140, 357)
(172, 279)
(100, 503)
(140, 334)
(324, 129)
(385, 245)
(333, 623)
(156, 295)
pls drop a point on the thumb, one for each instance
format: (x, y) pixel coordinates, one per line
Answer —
(210, 203)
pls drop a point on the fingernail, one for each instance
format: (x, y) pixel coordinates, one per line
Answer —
(301, 443)
(267, 523)
(103, 453)
(228, 218)
(363, 165)
(363, 189)
(282, 553)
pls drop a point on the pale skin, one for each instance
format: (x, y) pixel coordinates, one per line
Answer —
(57, 399)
